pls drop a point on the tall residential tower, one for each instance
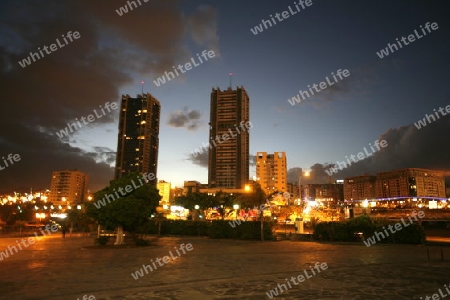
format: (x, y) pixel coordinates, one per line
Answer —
(228, 165)
(138, 141)
(68, 187)
(271, 171)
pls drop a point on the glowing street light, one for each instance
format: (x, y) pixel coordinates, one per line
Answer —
(40, 216)
(236, 207)
(365, 205)
(305, 174)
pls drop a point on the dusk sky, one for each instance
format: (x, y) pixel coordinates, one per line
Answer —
(381, 99)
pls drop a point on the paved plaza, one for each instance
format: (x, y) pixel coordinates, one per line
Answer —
(57, 268)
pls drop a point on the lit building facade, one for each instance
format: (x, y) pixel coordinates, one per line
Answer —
(330, 193)
(175, 193)
(138, 139)
(228, 163)
(164, 189)
(191, 187)
(68, 187)
(271, 171)
(359, 187)
(293, 190)
(411, 182)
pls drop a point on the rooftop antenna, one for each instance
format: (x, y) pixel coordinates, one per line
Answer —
(231, 76)
(142, 84)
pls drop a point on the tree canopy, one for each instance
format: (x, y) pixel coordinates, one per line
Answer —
(131, 209)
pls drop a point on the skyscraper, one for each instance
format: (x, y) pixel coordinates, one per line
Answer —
(68, 187)
(271, 171)
(164, 189)
(138, 140)
(229, 148)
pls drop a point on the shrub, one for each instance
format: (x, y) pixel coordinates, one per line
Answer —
(246, 230)
(344, 231)
(214, 229)
(141, 242)
(102, 240)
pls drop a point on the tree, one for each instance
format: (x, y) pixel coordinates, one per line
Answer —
(127, 211)
(254, 198)
(78, 218)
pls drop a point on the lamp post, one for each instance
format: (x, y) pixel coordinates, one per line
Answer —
(236, 207)
(40, 216)
(306, 174)
(365, 205)
(197, 215)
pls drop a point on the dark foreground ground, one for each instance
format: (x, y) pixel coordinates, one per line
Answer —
(56, 268)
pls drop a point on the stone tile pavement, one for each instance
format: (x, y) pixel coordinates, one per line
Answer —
(56, 268)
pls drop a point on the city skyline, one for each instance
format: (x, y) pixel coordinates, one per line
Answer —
(400, 98)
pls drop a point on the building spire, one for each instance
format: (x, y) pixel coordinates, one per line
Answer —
(231, 76)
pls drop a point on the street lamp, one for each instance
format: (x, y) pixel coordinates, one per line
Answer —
(236, 207)
(306, 174)
(40, 216)
(365, 205)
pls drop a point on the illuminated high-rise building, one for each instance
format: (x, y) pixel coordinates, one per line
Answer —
(229, 146)
(68, 187)
(271, 171)
(164, 189)
(138, 140)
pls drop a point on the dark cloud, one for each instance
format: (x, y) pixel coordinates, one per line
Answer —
(200, 159)
(358, 85)
(190, 119)
(408, 147)
(316, 174)
(203, 27)
(70, 82)
(105, 154)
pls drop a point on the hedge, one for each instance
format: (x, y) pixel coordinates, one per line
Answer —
(250, 230)
(345, 231)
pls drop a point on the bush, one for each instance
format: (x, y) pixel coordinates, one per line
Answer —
(214, 229)
(344, 231)
(249, 230)
(141, 242)
(412, 234)
(102, 240)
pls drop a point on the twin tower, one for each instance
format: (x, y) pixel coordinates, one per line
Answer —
(229, 147)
